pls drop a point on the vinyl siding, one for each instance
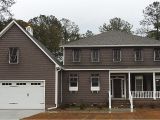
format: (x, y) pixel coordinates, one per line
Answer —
(84, 94)
(106, 57)
(33, 63)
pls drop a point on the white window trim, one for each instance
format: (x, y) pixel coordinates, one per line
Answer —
(120, 56)
(17, 55)
(136, 80)
(92, 55)
(73, 57)
(155, 56)
(73, 88)
(95, 88)
(136, 56)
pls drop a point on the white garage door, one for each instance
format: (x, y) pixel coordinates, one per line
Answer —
(22, 95)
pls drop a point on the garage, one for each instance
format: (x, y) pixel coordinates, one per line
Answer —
(22, 94)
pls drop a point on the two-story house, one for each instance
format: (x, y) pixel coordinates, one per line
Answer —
(96, 70)
(110, 66)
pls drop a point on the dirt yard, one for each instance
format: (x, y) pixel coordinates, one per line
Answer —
(84, 115)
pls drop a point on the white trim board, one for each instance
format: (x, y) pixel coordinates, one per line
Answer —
(27, 34)
(129, 45)
(118, 70)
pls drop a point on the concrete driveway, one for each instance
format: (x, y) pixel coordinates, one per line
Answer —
(17, 114)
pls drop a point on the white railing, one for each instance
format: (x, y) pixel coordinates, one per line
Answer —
(144, 94)
(157, 94)
(109, 99)
(131, 100)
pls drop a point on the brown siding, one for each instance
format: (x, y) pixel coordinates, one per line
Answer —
(84, 94)
(34, 64)
(106, 57)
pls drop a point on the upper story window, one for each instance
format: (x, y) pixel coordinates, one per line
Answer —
(138, 55)
(95, 55)
(95, 84)
(13, 55)
(76, 55)
(116, 55)
(73, 82)
(157, 55)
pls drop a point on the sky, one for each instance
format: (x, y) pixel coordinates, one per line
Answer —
(87, 14)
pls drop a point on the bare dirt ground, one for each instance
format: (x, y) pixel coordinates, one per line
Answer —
(144, 113)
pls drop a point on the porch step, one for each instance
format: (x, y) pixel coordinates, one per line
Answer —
(120, 104)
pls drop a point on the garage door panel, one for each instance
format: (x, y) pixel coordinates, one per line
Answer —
(22, 96)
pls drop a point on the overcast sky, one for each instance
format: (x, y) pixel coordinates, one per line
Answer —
(87, 14)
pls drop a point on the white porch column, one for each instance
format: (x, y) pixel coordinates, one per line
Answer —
(154, 86)
(109, 90)
(129, 81)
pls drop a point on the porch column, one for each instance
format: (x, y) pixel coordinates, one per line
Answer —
(109, 90)
(129, 81)
(154, 86)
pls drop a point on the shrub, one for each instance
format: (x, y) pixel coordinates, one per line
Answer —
(82, 106)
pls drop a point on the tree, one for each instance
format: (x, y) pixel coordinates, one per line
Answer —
(116, 24)
(4, 8)
(87, 34)
(70, 31)
(48, 30)
(152, 18)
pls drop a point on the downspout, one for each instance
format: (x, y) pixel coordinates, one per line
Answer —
(57, 69)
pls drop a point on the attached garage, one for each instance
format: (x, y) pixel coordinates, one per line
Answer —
(22, 94)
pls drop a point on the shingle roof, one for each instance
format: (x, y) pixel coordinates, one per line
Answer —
(113, 38)
(39, 44)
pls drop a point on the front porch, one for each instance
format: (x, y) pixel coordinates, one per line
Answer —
(133, 85)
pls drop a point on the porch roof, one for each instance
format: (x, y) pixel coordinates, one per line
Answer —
(107, 67)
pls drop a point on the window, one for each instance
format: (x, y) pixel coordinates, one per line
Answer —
(138, 83)
(76, 55)
(157, 55)
(73, 82)
(95, 85)
(138, 55)
(116, 55)
(6, 83)
(13, 55)
(20, 83)
(35, 83)
(95, 55)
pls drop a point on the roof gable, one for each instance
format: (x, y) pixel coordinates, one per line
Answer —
(113, 39)
(36, 42)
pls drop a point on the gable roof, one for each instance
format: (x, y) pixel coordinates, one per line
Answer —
(35, 41)
(113, 39)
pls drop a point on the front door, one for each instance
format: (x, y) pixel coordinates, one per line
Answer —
(117, 88)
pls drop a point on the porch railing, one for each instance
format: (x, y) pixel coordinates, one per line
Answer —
(143, 94)
(157, 94)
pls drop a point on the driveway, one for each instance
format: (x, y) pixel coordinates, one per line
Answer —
(17, 114)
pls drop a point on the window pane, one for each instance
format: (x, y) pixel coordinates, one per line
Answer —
(95, 55)
(158, 85)
(73, 80)
(139, 84)
(157, 54)
(138, 55)
(95, 82)
(13, 55)
(76, 55)
(116, 55)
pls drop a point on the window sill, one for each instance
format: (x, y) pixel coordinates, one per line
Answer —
(95, 88)
(13, 63)
(156, 60)
(73, 88)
